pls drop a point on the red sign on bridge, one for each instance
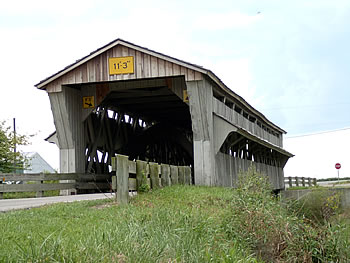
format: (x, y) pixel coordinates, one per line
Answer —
(337, 166)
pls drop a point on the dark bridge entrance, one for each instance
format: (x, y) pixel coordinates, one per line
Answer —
(143, 119)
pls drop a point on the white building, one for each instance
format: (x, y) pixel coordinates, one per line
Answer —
(37, 164)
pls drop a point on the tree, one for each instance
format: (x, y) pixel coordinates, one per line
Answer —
(9, 160)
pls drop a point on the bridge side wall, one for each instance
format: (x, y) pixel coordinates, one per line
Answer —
(229, 167)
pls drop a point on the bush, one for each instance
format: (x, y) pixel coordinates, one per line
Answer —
(275, 233)
(318, 206)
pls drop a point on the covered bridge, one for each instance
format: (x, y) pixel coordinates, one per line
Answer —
(127, 99)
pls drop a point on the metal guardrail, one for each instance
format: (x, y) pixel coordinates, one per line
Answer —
(299, 181)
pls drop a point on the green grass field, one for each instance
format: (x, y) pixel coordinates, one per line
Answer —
(173, 224)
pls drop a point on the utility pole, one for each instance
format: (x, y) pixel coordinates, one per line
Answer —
(15, 145)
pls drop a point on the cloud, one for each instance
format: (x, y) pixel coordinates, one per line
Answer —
(223, 21)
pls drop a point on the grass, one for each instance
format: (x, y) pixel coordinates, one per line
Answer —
(175, 224)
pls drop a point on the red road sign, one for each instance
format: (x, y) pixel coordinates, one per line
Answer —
(337, 166)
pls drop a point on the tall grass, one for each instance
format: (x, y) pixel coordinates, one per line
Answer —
(279, 233)
(174, 224)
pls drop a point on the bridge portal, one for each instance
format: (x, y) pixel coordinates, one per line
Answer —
(127, 99)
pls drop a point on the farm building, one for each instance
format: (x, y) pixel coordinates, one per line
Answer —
(127, 99)
(36, 164)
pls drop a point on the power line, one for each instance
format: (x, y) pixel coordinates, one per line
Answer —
(317, 133)
(305, 106)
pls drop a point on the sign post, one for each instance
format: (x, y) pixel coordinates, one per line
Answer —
(338, 166)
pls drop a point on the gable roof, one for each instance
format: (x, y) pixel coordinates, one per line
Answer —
(207, 72)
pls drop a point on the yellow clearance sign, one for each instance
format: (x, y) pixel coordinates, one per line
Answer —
(88, 102)
(122, 65)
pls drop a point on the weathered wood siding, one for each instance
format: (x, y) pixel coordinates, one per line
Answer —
(145, 66)
(200, 95)
(228, 168)
(66, 108)
(240, 121)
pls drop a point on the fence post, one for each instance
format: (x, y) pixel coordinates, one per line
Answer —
(174, 174)
(188, 175)
(122, 179)
(181, 174)
(40, 193)
(165, 174)
(303, 181)
(309, 181)
(290, 180)
(141, 174)
(296, 181)
(154, 174)
(1, 193)
(315, 181)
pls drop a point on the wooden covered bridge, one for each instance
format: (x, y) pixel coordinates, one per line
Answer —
(127, 99)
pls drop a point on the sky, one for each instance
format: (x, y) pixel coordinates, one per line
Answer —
(289, 59)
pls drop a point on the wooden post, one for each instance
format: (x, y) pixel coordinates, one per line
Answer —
(315, 181)
(141, 174)
(309, 181)
(154, 174)
(114, 183)
(188, 175)
(1, 193)
(303, 181)
(296, 181)
(174, 173)
(165, 171)
(290, 181)
(122, 179)
(40, 193)
(181, 174)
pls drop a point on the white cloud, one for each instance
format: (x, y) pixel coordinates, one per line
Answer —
(221, 21)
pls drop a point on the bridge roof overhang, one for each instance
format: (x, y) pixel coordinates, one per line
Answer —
(198, 69)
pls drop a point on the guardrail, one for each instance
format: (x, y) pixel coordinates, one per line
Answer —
(299, 181)
(74, 181)
(135, 175)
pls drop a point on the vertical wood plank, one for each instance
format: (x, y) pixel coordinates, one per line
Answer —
(1, 188)
(122, 179)
(165, 174)
(176, 70)
(132, 53)
(119, 53)
(181, 174)
(139, 65)
(141, 173)
(183, 71)
(168, 68)
(154, 67)
(190, 74)
(40, 193)
(197, 75)
(161, 67)
(154, 174)
(187, 173)
(174, 174)
(146, 66)
(114, 183)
